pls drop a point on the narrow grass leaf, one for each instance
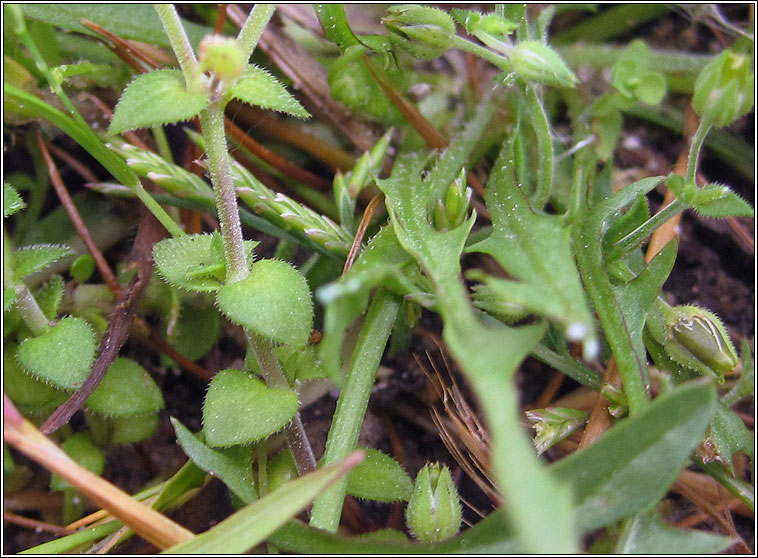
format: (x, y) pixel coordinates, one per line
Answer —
(630, 468)
(647, 533)
(253, 524)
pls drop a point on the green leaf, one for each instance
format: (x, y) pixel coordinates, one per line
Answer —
(239, 409)
(536, 251)
(651, 88)
(334, 23)
(261, 89)
(31, 259)
(193, 262)
(632, 466)
(122, 430)
(80, 448)
(159, 97)
(379, 477)
(489, 536)
(12, 202)
(729, 434)
(231, 465)
(62, 355)
(274, 301)
(9, 297)
(716, 201)
(50, 295)
(646, 533)
(82, 268)
(126, 377)
(197, 329)
(254, 523)
(27, 392)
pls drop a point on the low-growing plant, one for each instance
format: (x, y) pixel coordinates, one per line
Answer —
(569, 268)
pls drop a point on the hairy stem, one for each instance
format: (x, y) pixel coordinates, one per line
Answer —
(180, 45)
(274, 378)
(254, 25)
(212, 122)
(696, 144)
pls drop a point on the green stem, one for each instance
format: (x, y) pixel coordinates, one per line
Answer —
(30, 311)
(275, 378)
(740, 489)
(696, 144)
(568, 366)
(353, 401)
(628, 243)
(500, 61)
(544, 148)
(254, 25)
(180, 45)
(212, 122)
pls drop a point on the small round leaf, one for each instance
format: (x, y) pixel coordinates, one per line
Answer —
(274, 301)
(62, 355)
(27, 392)
(239, 409)
(126, 389)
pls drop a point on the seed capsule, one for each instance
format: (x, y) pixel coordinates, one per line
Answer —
(696, 338)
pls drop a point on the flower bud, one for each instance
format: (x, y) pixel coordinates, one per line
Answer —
(553, 425)
(451, 212)
(697, 339)
(536, 61)
(434, 511)
(422, 31)
(618, 404)
(724, 88)
(221, 56)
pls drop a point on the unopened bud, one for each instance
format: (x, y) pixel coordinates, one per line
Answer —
(536, 61)
(553, 425)
(221, 56)
(453, 211)
(697, 339)
(618, 404)
(422, 31)
(434, 511)
(724, 88)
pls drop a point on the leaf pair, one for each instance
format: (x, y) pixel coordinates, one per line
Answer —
(161, 97)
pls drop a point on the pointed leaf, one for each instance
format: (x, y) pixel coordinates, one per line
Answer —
(614, 477)
(261, 89)
(646, 533)
(231, 465)
(50, 295)
(62, 355)
(252, 524)
(274, 301)
(126, 377)
(239, 409)
(714, 200)
(729, 433)
(12, 202)
(536, 250)
(379, 477)
(158, 97)
(31, 259)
